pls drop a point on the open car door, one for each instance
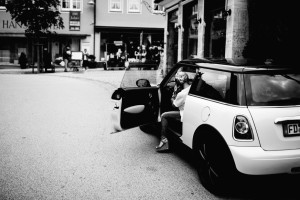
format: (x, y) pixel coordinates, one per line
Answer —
(136, 102)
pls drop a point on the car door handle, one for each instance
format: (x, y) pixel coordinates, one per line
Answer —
(283, 119)
(135, 109)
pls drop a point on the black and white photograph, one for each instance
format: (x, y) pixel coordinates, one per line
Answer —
(149, 100)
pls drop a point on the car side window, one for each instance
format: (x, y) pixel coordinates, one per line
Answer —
(211, 84)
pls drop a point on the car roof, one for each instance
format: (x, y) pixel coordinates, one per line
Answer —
(234, 66)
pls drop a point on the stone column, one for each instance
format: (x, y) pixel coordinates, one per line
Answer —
(164, 72)
(170, 47)
(237, 30)
(201, 29)
(97, 45)
(180, 32)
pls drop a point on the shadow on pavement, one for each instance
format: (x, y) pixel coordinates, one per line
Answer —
(250, 187)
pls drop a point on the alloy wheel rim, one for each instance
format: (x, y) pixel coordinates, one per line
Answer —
(209, 169)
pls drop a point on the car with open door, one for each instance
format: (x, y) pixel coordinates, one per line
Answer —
(144, 95)
(238, 119)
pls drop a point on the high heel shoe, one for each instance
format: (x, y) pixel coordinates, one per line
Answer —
(163, 145)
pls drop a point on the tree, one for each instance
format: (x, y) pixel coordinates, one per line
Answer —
(39, 17)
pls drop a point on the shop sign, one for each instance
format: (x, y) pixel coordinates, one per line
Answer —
(118, 43)
(8, 24)
(74, 21)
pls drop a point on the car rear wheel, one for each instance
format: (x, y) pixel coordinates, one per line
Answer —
(215, 165)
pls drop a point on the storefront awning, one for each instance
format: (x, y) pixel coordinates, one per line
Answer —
(57, 35)
(145, 30)
(167, 3)
(12, 35)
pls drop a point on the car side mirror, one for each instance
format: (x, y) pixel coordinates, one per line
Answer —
(143, 83)
(117, 94)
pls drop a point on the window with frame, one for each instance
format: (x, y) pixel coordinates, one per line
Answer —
(3, 3)
(71, 5)
(156, 8)
(133, 6)
(212, 84)
(115, 5)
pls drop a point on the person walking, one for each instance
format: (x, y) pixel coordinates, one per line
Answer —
(85, 62)
(67, 57)
(23, 60)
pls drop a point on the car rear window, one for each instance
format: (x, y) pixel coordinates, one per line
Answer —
(277, 89)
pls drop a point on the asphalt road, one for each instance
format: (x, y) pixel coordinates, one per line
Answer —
(56, 142)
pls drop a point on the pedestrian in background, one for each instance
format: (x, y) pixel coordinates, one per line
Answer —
(67, 57)
(23, 60)
(138, 54)
(85, 62)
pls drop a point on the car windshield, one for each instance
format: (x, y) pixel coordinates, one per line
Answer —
(273, 89)
(133, 74)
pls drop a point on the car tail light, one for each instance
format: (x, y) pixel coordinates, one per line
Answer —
(242, 129)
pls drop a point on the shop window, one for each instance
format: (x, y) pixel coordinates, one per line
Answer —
(67, 5)
(134, 6)
(218, 34)
(190, 35)
(2, 4)
(115, 5)
(156, 7)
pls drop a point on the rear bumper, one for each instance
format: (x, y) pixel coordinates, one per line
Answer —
(256, 161)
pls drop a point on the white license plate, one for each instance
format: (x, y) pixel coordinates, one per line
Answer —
(291, 129)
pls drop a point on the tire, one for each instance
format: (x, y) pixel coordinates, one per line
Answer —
(215, 165)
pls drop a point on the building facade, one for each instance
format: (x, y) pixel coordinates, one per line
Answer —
(201, 28)
(78, 33)
(235, 30)
(125, 25)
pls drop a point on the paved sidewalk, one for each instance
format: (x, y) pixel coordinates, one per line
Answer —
(109, 77)
(15, 69)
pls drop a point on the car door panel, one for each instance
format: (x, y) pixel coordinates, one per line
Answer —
(139, 106)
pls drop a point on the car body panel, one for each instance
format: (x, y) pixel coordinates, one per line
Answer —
(271, 134)
(256, 161)
(131, 111)
(116, 115)
(201, 111)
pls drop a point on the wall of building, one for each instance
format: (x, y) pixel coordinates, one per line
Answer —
(126, 19)
(125, 26)
(228, 41)
(10, 30)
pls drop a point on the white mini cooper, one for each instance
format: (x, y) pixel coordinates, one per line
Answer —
(237, 119)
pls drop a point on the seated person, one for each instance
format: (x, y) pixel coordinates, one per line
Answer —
(138, 54)
(181, 89)
(120, 58)
(156, 56)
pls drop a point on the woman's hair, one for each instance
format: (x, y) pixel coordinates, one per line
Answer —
(181, 73)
